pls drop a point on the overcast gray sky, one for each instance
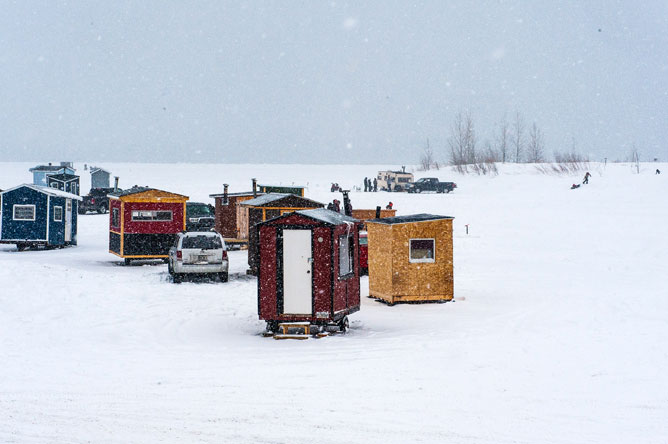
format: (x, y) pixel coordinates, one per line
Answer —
(313, 82)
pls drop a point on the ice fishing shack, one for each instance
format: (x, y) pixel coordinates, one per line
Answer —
(411, 258)
(144, 222)
(34, 215)
(309, 269)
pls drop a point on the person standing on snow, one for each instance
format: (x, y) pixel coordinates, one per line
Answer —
(375, 184)
(586, 179)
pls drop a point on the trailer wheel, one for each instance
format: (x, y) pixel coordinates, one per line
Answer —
(21, 246)
(344, 324)
(128, 261)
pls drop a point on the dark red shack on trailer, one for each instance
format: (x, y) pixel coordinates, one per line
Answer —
(309, 270)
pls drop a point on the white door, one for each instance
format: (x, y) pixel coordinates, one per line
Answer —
(68, 220)
(297, 287)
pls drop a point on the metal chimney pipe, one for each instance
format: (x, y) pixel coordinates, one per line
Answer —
(254, 187)
(115, 183)
(225, 200)
(378, 212)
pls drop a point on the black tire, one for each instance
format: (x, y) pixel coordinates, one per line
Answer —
(344, 324)
(81, 211)
(177, 278)
(224, 277)
(128, 261)
(102, 209)
(418, 190)
(21, 246)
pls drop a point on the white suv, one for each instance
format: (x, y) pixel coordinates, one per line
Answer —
(198, 253)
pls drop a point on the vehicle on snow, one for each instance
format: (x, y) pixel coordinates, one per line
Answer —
(394, 180)
(431, 184)
(199, 216)
(198, 253)
(96, 200)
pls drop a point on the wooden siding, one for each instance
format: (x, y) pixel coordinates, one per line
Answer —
(392, 277)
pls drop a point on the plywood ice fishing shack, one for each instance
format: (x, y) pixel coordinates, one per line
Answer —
(144, 222)
(309, 270)
(411, 258)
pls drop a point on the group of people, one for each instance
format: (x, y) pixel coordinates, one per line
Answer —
(370, 185)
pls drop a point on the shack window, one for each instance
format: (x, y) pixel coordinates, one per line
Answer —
(57, 214)
(24, 212)
(151, 215)
(115, 217)
(346, 249)
(421, 250)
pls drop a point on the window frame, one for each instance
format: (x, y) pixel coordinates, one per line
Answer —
(423, 260)
(116, 216)
(31, 206)
(350, 254)
(55, 208)
(171, 215)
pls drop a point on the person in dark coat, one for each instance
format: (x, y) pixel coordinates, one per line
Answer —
(366, 184)
(586, 179)
(336, 206)
(375, 184)
(389, 206)
(658, 171)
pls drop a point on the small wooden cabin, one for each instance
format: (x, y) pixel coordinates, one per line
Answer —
(64, 182)
(309, 270)
(99, 177)
(40, 172)
(32, 215)
(226, 214)
(410, 258)
(144, 222)
(263, 208)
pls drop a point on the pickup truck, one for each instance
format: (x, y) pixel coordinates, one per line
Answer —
(431, 184)
(95, 200)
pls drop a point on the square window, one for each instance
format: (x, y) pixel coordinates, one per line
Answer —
(57, 214)
(24, 212)
(422, 250)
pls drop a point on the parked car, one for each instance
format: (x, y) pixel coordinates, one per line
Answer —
(198, 253)
(95, 200)
(364, 252)
(431, 184)
(199, 216)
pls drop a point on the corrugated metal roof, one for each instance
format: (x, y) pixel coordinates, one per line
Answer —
(274, 197)
(423, 217)
(46, 190)
(327, 216)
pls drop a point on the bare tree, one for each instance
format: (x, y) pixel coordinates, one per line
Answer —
(427, 158)
(535, 145)
(462, 140)
(518, 137)
(502, 140)
(635, 158)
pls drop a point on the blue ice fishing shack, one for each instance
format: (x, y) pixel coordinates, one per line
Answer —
(33, 215)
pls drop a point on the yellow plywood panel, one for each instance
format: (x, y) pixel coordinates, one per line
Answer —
(154, 195)
(411, 281)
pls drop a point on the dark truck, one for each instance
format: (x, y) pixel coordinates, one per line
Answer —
(95, 200)
(199, 216)
(431, 184)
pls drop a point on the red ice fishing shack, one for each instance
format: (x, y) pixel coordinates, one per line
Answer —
(309, 268)
(144, 222)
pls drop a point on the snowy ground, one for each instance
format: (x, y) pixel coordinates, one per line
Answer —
(558, 333)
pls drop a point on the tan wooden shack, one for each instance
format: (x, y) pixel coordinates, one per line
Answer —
(410, 258)
(366, 214)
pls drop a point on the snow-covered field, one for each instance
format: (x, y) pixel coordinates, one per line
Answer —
(559, 331)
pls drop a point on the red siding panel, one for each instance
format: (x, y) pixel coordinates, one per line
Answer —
(267, 285)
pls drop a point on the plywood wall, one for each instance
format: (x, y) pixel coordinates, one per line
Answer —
(394, 278)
